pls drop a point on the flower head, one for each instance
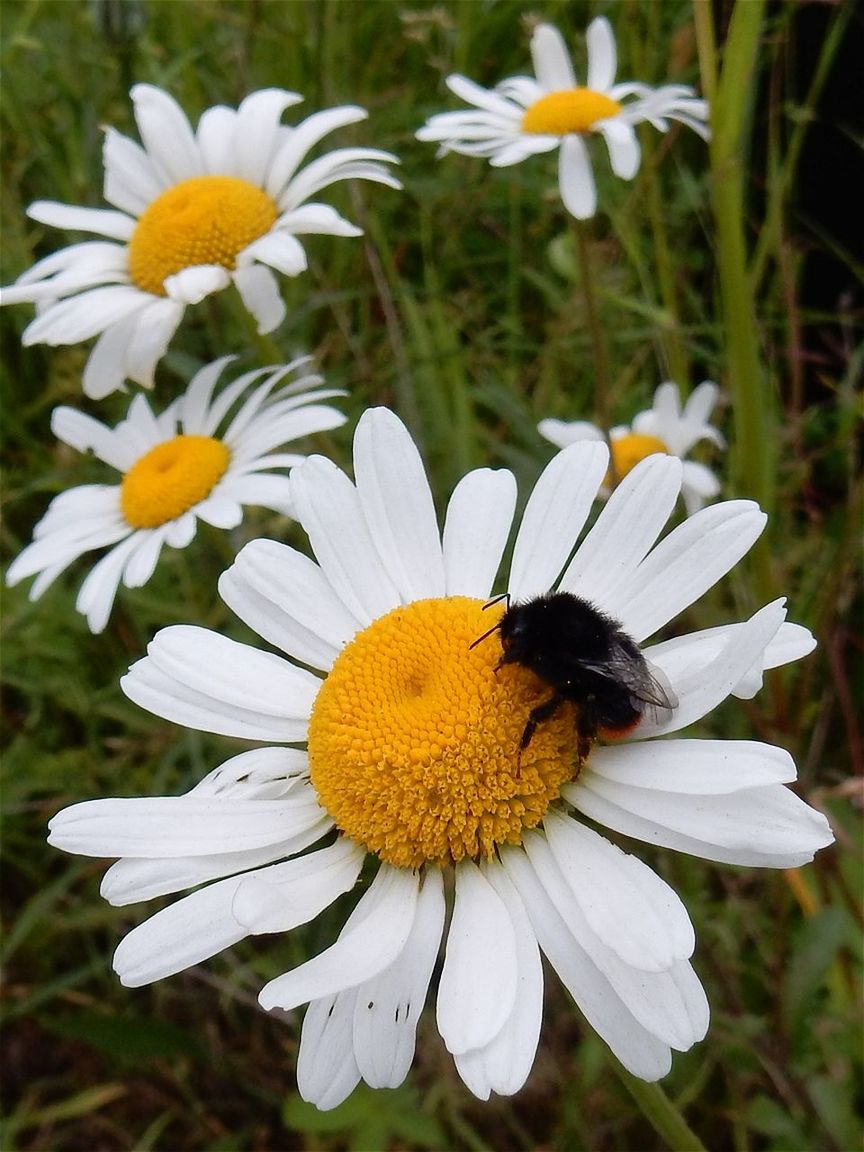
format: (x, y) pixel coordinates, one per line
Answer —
(416, 760)
(179, 467)
(195, 211)
(522, 115)
(662, 428)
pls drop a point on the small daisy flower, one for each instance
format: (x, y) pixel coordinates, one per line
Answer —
(661, 428)
(416, 763)
(177, 468)
(522, 116)
(195, 212)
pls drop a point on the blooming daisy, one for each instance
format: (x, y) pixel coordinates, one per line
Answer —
(415, 761)
(522, 116)
(661, 428)
(177, 468)
(195, 212)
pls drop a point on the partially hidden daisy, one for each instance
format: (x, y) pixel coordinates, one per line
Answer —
(193, 212)
(523, 115)
(190, 463)
(415, 764)
(664, 427)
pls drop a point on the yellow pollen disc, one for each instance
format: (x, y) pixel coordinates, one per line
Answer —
(573, 110)
(414, 738)
(172, 478)
(205, 220)
(629, 450)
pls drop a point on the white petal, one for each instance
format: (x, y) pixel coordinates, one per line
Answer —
(706, 684)
(370, 941)
(257, 132)
(131, 182)
(85, 315)
(388, 1007)
(686, 563)
(397, 505)
(327, 1072)
(278, 898)
(630, 908)
(624, 532)
(117, 225)
(279, 251)
(83, 432)
(602, 58)
(666, 1002)
(260, 293)
(564, 432)
(760, 827)
(576, 179)
(185, 933)
(232, 672)
(552, 64)
(166, 134)
(637, 1049)
(162, 826)
(697, 767)
(286, 598)
(191, 285)
(302, 139)
(554, 516)
(328, 507)
(478, 522)
(96, 596)
(154, 327)
(623, 145)
(133, 879)
(504, 1064)
(480, 976)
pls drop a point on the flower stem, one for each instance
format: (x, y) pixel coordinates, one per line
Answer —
(595, 330)
(659, 1111)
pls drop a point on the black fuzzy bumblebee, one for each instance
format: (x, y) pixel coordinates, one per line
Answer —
(586, 657)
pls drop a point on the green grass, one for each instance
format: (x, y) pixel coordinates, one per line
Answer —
(464, 308)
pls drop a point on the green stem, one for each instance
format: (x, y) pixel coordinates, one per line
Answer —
(753, 448)
(659, 1111)
(595, 329)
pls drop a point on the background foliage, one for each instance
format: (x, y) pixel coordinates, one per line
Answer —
(463, 307)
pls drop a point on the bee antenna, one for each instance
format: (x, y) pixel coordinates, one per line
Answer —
(495, 627)
(496, 600)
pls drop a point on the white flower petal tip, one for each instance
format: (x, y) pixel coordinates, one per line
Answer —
(239, 175)
(232, 438)
(524, 116)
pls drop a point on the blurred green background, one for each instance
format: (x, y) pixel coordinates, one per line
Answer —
(463, 308)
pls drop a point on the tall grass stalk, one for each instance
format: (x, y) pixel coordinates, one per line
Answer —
(729, 87)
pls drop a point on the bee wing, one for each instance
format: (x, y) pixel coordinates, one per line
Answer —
(644, 681)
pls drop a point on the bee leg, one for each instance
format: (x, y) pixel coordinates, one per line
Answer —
(536, 716)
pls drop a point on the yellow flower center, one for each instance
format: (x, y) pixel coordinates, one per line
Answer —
(172, 478)
(414, 738)
(205, 220)
(629, 450)
(572, 110)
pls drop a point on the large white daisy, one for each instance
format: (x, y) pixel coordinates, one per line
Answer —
(190, 463)
(664, 427)
(195, 211)
(522, 116)
(416, 762)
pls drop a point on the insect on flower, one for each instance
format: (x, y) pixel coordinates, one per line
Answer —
(587, 658)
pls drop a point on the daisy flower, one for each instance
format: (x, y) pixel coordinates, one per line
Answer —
(522, 116)
(177, 468)
(663, 427)
(193, 212)
(415, 763)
